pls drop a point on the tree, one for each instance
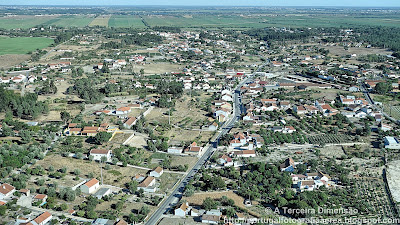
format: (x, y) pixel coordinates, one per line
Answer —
(209, 204)
(65, 116)
(132, 186)
(102, 137)
(25, 135)
(3, 209)
(383, 87)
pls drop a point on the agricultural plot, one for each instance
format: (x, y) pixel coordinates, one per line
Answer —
(100, 21)
(205, 21)
(23, 22)
(328, 139)
(22, 45)
(70, 21)
(393, 111)
(377, 201)
(126, 21)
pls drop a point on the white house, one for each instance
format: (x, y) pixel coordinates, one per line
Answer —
(175, 150)
(99, 153)
(211, 217)
(227, 98)
(148, 184)
(6, 190)
(102, 192)
(182, 210)
(91, 186)
(245, 153)
(157, 172)
(391, 143)
(123, 110)
(42, 219)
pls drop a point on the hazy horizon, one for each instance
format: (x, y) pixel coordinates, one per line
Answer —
(288, 3)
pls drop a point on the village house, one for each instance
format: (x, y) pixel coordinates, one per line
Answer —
(40, 197)
(225, 160)
(148, 184)
(211, 217)
(90, 186)
(102, 192)
(6, 191)
(288, 165)
(122, 110)
(42, 219)
(175, 150)
(193, 149)
(182, 210)
(98, 154)
(157, 172)
(245, 153)
(130, 122)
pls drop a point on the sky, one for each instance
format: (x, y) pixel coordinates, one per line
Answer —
(350, 3)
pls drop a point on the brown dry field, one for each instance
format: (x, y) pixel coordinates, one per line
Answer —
(87, 167)
(339, 50)
(7, 61)
(138, 141)
(157, 68)
(61, 88)
(101, 21)
(198, 198)
(55, 115)
(182, 160)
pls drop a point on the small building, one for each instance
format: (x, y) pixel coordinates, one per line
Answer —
(245, 153)
(157, 172)
(211, 217)
(40, 197)
(288, 165)
(6, 190)
(193, 149)
(123, 110)
(175, 150)
(100, 153)
(139, 178)
(182, 210)
(121, 222)
(42, 219)
(102, 192)
(391, 142)
(91, 186)
(25, 192)
(130, 122)
(225, 160)
(148, 184)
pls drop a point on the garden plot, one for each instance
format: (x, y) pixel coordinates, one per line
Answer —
(393, 172)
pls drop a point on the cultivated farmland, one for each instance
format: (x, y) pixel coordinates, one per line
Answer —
(22, 45)
(126, 21)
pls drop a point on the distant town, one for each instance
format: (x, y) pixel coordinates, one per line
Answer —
(124, 115)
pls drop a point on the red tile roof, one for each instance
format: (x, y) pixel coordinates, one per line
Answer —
(91, 182)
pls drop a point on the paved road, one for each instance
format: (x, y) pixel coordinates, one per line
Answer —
(376, 107)
(177, 193)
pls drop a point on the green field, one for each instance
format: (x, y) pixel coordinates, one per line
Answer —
(70, 21)
(222, 20)
(196, 21)
(126, 21)
(23, 22)
(22, 45)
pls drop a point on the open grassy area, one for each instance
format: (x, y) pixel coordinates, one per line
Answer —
(22, 45)
(101, 21)
(203, 20)
(126, 21)
(23, 22)
(70, 21)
